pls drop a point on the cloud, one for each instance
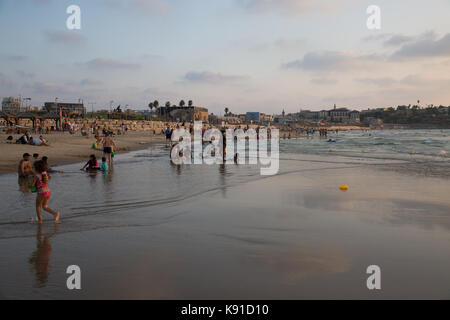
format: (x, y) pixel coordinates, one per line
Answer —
(287, 43)
(43, 88)
(324, 81)
(41, 2)
(279, 43)
(331, 60)
(377, 37)
(412, 80)
(389, 39)
(381, 82)
(109, 64)
(142, 7)
(24, 74)
(291, 7)
(6, 82)
(90, 82)
(15, 58)
(152, 57)
(397, 40)
(211, 77)
(64, 37)
(427, 45)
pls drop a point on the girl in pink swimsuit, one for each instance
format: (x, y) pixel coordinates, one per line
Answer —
(43, 191)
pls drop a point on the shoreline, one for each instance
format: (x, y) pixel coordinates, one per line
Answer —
(69, 149)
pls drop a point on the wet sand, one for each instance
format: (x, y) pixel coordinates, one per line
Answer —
(65, 148)
(225, 232)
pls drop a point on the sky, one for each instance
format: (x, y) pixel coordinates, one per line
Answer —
(247, 55)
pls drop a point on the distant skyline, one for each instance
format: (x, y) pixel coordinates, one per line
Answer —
(247, 55)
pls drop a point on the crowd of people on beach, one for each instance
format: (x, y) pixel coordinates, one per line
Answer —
(35, 172)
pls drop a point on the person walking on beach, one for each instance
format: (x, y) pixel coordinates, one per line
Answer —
(168, 133)
(108, 147)
(40, 181)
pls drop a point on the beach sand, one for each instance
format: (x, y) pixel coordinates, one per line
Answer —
(66, 148)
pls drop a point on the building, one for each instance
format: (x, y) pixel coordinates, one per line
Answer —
(253, 116)
(189, 113)
(232, 119)
(266, 118)
(309, 115)
(33, 109)
(68, 109)
(333, 115)
(11, 105)
(339, 114)
(355, 116)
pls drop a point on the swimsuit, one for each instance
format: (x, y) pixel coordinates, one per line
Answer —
(42, 188)
(93, 165)
(107, 150)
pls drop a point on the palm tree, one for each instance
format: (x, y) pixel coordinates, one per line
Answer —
(190, 103)
(167, 105)
(156, 106)
(226, 111)
(150, 105)
(182, 103)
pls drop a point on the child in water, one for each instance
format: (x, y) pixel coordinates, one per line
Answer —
(92, 164)
(40, 181)
(104, 166)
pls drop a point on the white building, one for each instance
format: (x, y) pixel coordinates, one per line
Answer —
(11, 105)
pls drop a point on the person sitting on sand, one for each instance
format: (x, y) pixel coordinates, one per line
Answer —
(25, 167)
(40, 181)
(92, 164)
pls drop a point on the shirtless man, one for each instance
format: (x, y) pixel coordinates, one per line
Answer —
(25, 167)
(108, 147)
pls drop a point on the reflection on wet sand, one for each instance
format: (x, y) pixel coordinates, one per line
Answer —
(295, 262)
(40, 258)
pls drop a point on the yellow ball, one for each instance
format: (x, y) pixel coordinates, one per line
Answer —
(343, 187)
